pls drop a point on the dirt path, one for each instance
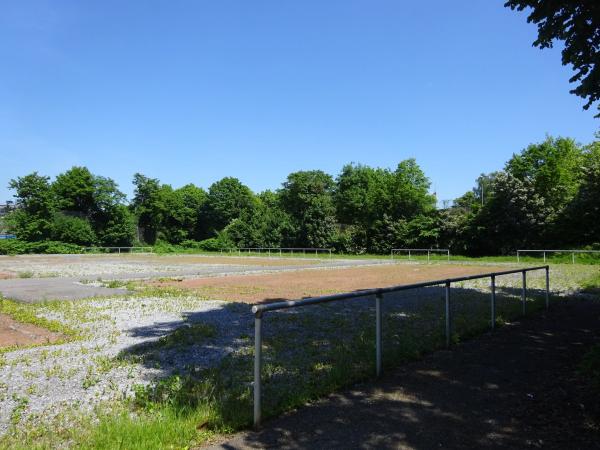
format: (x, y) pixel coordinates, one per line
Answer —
(255, 288)
(516, 388)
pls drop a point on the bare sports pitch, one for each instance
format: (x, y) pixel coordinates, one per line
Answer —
(79, 333)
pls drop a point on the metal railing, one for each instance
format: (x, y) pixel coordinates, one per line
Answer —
(546, 251)
(260, 310)
(119, 250)
(420, 250)
(274, 251)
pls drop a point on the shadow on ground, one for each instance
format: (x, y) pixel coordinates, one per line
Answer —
(516, 388)
(312, 351)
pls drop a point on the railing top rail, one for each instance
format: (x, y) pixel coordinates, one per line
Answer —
(259, 309)
(559, 250)
(280, 248)
(423, 249)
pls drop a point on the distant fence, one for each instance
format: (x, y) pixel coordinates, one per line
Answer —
(7, 236)
(545, 252)
(119, 250)
(278, 251)
(378, 294)
(416, 251)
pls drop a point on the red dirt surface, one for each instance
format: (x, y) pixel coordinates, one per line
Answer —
(6, 275)
(17, 334)
(311, 283)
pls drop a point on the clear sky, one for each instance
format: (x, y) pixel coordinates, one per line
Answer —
(192, 91)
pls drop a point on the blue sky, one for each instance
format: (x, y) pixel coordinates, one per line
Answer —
(192, 91)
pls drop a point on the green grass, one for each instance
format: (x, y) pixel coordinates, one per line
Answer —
(590, 366)
(27, 313)
(592, 284)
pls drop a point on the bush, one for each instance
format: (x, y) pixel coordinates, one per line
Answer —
(72, 229)
(13, 247)
(190, 244)
(17, 247)
(214, 244)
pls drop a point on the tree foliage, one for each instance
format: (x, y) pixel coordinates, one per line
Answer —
(547, 195)
(577, 24)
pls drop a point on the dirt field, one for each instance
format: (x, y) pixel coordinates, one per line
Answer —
(311, 283)
(13, 334)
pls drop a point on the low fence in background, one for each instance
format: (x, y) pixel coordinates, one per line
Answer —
(546, 251)
(260, 310)
(413, 251)
(278, 251)
(119, 250)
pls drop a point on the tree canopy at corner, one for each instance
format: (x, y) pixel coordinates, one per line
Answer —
(577, 24)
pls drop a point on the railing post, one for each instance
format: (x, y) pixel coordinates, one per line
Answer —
(547, 287)
(493, 288)
(448, 314)
(573, 257)
(524, 292)
(428, 252)
(518, 259)
(448, 255)
(409, 255)
(378, 298)
(544, 257)
(257, 368)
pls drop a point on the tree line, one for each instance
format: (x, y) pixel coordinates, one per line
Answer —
(547, 195)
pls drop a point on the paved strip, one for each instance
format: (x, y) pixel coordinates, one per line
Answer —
(515, 388)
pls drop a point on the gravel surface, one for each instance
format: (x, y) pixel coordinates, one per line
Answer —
(136, 266)
(43, 381)
(85, 372)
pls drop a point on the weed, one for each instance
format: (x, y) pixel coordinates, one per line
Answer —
(17, 412)
(590, 366)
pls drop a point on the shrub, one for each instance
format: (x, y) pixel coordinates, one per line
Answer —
(18, 247)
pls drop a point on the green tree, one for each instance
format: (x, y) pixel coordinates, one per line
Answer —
(577, 24)
(580, 222)
(362, 194)
(265, 225)
(32, 219)
(307, 196)
(227, 199)
(74, 191)
(554, 169)
(409, 193)
(118, 228)
(74, 230)
(182, 216)
(148, 206)
(514, 217)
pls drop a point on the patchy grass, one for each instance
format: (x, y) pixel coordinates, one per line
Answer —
(592, 284)
(298, 368)
(27, 313)
(590, 366)
(306, 356)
